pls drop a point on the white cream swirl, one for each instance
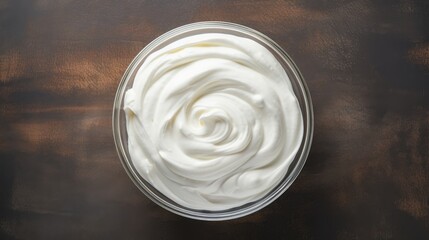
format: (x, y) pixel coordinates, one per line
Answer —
(212, 121)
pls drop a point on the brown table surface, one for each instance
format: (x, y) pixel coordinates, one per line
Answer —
(366, 64)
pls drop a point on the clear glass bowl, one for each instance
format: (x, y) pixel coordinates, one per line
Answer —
(300, 89)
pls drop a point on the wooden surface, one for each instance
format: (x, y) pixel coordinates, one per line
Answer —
(366, 64)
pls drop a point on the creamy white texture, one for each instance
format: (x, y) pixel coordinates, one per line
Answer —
(212, 121)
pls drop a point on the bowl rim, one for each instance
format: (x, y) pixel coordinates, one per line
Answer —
(234, 212)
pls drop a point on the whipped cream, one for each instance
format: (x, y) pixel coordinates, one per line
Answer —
(212, 121)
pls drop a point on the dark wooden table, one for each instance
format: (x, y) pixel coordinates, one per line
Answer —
(366, 64)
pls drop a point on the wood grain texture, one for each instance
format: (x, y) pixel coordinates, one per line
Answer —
(366, 64)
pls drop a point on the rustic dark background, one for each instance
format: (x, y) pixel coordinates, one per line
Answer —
(366, 64)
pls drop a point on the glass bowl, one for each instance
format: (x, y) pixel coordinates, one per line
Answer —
(300, 90)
